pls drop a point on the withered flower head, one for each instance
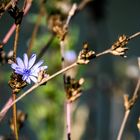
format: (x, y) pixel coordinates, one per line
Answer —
(56, 24)
(16, 82)
(85, 55)
(119, 47)
(73, 88)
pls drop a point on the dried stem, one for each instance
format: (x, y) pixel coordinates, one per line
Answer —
(134, 35)
(70, 14)
(16, 41)
(68, 118)
(103, 53)
(123, 124)
(127, 112)
(62, 48)
(15, 117)
(13, 94)
(36, 27)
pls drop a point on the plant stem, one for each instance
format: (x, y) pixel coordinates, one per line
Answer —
(136, 89)
(123, 124)
(36, 27)
(15, 117)
(13, 94)
(103, 53)
(127, 112)
(62, 49)
(134, 35)
(68, 118)
(16, 41)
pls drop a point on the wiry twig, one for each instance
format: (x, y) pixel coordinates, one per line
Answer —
(16, 41)
(134, 35)
(36, 27)
(129, 103)
(62, 48)
(103, 53)
(15, 117)
(14, 94)
(123, 124)
(70, 14)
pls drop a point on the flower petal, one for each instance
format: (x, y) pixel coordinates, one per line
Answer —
(36, 66)
(43, 67)
(32, 60)
(28, 80)
(25, 58)
(20, 62)
(24, 77)
(35, 73)
(14, 66)
(19, 71)
(33, 79)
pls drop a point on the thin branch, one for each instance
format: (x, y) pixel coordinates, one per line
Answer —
(62, 49)
(123, 124)
(70, 14)
(9, 102)
(129, 103)
(135, 94)
(134, 35)
(36, 27)
(16, 41)
(15, 117)
(103, 53)
(68, 118)
(13, 94)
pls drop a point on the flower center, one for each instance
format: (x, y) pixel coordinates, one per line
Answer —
(27, 72)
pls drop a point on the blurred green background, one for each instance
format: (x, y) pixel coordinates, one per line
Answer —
(98, 113)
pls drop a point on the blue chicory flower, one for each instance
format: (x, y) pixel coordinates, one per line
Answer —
(27, 68)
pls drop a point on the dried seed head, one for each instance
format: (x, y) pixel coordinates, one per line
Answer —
(16, 82)
(73, 88)
(41, 75)
(118, 48)
(85, 55)
(56, 25)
